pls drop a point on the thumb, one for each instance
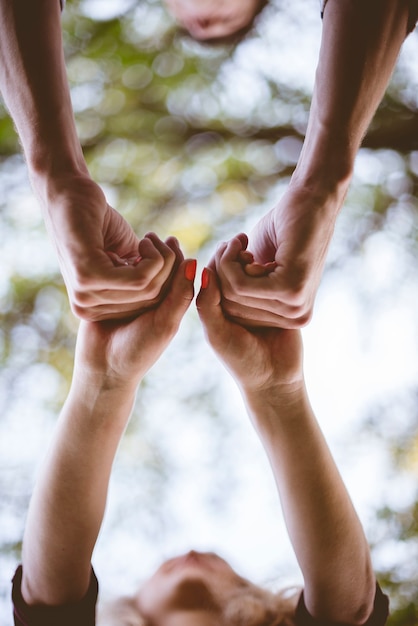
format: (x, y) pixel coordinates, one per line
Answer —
(209, 308)
(179, 296)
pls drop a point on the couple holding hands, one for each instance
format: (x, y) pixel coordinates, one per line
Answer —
(132, 294)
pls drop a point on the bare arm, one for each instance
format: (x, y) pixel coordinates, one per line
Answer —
(34, 85)
(360, 44)
(107, 270)
(68, 502)
(326, 534)
(323, 526)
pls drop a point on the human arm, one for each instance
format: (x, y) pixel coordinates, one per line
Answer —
(69, 499)
(97, 249)
(360, 44)
(324, 529)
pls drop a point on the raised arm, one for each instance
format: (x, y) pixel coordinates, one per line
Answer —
(326, 534)
(360, 44)
(107, 271)
(68, 502)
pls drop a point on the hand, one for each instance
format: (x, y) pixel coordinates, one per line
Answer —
(294, 237)
(108, 271)
(260, 359)
(118, 353)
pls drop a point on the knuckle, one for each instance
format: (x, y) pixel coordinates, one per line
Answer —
(81, 290)
(153, 292)
(83, 313)
(296, 297)
(299, 319)
(82, 299)
(304, 319)
(232, 309)
(230, 291)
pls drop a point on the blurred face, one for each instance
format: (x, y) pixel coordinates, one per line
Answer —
(190, 589)
(212, 19)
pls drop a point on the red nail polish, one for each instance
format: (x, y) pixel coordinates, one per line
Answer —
(190, 269)
(205, 278)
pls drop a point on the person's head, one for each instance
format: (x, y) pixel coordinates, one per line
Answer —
(199, 589)
(214, 19)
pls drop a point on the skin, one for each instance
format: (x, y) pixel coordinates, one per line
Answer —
(323, 526)
(109, 272)
(194, 589)
(213, 19)
(359, 48)
(111, 358)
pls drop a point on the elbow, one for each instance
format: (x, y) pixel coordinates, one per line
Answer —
(351, 601)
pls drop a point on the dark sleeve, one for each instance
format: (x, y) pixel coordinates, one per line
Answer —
(377, 618)
(413, 13)
(82, 613)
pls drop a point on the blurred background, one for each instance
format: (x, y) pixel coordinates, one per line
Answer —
(199, 141)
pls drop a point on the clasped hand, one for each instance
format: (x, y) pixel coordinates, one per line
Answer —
(118, 353)
(111, 274)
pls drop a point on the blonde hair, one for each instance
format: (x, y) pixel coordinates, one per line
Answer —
(256, 606)
(252, 606)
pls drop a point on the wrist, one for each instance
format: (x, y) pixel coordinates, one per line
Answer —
(101, 405)
(98, 382)
(51, 184)
(273, 407)
(63, 200)
(326, 163)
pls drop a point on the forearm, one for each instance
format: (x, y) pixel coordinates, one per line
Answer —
(360, 44)
(34, 85)
(68, 503)
(323, 526)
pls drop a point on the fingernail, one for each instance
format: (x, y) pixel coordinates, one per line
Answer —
(190, 269)
(205, 278)
(137, 260)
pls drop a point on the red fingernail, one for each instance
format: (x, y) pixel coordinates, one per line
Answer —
(137, 260)
(205, 278)
(190, 269)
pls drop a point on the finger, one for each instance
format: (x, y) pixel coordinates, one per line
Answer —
(151, 267)
(253, 317)
(117, 260)
(272, 286)
(216, 257)
(174, 244)
(173, 257)
(102, 283)
(237, 246)
(208, 303)
(245, 257)
(272, 305)
(178, 298)
(257, 269)
(231, 250)
(163, 248)
(243, 238)
(103, 312)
